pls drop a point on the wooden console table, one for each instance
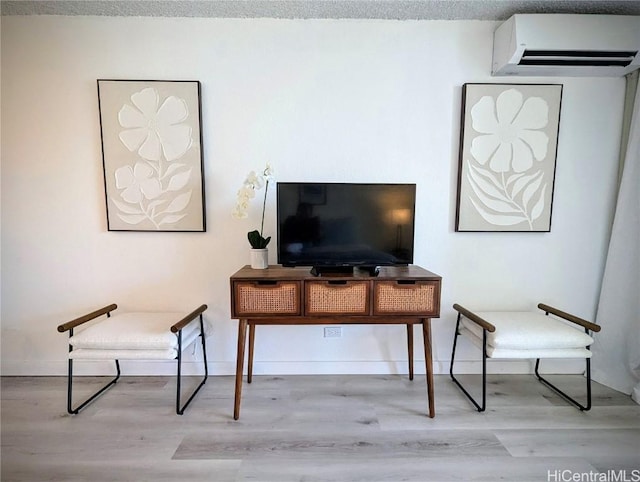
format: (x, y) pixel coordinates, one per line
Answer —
(407, 295)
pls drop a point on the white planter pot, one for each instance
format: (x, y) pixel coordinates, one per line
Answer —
(260, 258)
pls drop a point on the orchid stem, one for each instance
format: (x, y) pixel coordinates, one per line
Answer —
(264, 203)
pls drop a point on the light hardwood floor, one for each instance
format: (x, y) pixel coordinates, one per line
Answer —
(315, 428)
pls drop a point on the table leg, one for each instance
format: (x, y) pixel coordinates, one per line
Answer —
(410, 349)
(426, 335)
(252, 336)
(242, 337)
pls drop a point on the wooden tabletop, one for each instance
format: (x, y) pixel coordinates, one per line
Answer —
(304, 273)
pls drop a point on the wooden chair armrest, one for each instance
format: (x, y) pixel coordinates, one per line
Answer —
(188, 319)
(475, 318)
(88, 317)
(569, 317)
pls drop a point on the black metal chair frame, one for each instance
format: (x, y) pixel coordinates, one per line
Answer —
(488, 327)
(176, 328)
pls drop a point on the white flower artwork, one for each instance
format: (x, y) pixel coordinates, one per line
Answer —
(507, 157)
(152, 155)
(155, 130)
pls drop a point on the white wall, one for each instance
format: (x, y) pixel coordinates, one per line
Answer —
(352, 100)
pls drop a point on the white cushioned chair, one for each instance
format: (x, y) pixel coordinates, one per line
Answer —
(513, 335)
(134, 336)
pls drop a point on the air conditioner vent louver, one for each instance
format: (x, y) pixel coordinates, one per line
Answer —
(577, 58)
(567, 45)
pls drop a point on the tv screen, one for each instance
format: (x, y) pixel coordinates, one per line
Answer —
(345, 224)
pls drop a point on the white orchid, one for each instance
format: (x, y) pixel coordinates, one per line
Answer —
(252, 183)
(245, 195)
(153, 130)
(511, 136)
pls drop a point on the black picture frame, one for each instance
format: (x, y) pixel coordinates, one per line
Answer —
(152, 155)
(508, 149)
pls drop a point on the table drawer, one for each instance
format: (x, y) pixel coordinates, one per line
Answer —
(406, 298)
(265, 298)
(333, 297)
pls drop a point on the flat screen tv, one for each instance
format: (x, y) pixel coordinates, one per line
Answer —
(339, 226)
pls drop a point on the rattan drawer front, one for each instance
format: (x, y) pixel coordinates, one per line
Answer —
(391, 297)
(280, 298)
(346, 298)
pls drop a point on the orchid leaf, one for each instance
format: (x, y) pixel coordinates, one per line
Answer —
(256, 241)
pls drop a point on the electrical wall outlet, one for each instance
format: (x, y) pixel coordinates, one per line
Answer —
(332, 331)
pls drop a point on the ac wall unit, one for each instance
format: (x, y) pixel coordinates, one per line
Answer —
(567, 45)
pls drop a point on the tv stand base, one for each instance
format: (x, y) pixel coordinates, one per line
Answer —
(343, 270)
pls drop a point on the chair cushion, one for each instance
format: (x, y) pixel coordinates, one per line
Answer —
(523, 330)
(135, 331)
(493, 352)
(96, 354)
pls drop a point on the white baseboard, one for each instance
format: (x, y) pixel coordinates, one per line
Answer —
(191, 367)
(106, 368)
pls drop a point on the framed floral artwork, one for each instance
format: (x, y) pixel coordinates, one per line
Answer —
(509, 138)
(152, 155)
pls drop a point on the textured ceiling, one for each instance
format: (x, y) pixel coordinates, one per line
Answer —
(377, 9)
